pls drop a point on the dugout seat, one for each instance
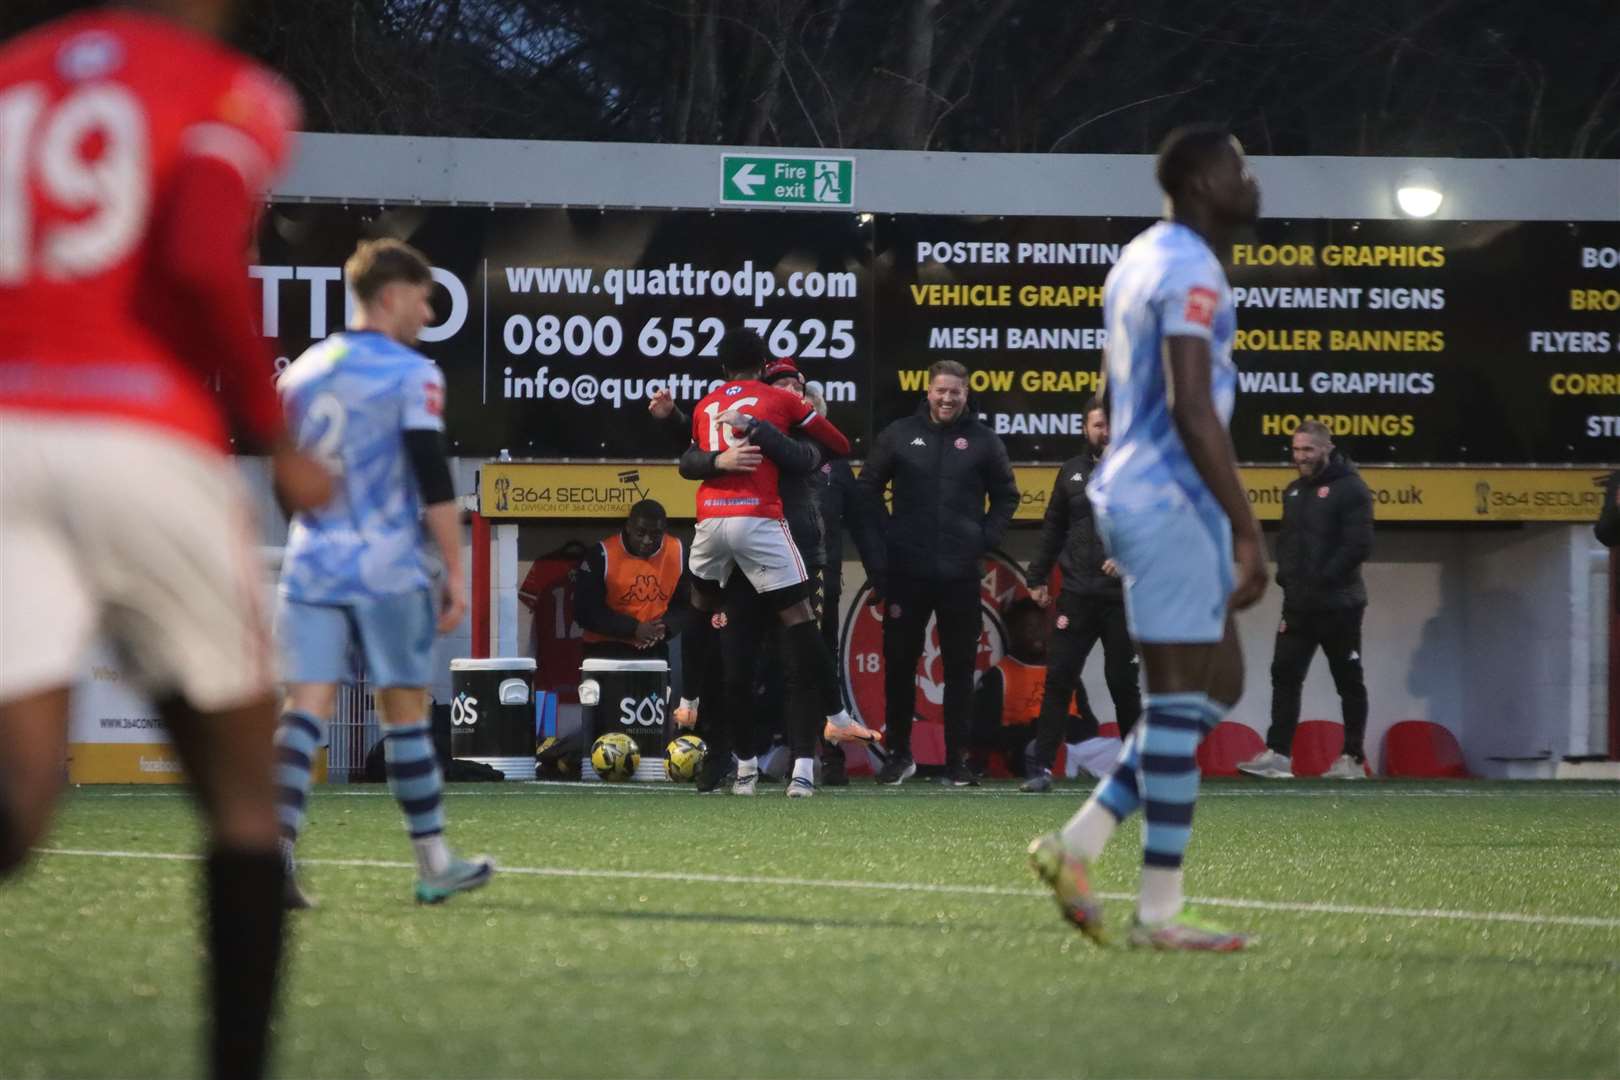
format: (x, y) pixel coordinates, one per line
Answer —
(927, 741)
(1230, 743)
(1316, 744)
(1418, 748)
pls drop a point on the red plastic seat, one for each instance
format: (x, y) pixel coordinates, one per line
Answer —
(1316, 744)
(1419, 748)
(1230, 743)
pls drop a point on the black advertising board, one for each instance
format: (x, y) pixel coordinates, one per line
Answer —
(1017, 300)
(556, 326)
(1417, 342)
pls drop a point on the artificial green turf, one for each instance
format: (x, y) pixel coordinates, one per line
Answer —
(618, 977)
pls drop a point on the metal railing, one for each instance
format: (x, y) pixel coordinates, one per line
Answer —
(353, 732)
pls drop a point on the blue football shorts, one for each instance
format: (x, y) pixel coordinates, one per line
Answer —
(1176, 564)
(394, 635)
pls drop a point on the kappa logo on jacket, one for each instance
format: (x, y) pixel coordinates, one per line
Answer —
(645, 589)
(1077, 478)
(919, 441)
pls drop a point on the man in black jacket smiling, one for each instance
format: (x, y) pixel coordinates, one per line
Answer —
(1327, 527)
(1091, 607)
(943, 463)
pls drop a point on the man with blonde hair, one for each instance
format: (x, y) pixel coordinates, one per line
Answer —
(356, 571)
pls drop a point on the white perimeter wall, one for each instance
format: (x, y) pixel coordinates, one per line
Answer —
(1499, 634)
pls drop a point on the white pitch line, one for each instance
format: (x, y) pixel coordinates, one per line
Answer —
(1305, 907)
(531, 788)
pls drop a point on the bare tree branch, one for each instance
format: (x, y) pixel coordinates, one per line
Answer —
(1119, 109)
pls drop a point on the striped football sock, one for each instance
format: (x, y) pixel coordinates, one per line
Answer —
(1114, 800)
(298, 735)
(418, 786)
(1172, 727)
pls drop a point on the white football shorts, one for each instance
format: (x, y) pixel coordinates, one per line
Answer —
(762, 547)
(136, 532)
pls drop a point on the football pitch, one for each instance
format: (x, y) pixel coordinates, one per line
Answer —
(1422, 930)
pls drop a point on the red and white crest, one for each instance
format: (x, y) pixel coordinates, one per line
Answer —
(1201, 303)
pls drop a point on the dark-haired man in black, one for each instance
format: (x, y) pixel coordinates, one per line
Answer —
(953, 495)
(1091, 607)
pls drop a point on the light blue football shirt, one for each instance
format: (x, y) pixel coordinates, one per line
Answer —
(1167, 283)
(349, 400)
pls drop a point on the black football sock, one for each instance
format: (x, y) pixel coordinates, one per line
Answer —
(12, 852)
(804, 716)
(696, 640)
(245, 917)
(820, 671)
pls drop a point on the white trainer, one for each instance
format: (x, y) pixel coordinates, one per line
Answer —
(1345, 767)
(1268, 765)
(745, 783)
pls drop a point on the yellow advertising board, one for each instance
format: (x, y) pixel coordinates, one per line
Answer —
(1572, 496)
(519, 490)
(142, 763)
(116, 735)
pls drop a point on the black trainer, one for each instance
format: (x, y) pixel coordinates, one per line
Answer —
(712, 775)
(898, 770)
(834, 771)
(294, 898)
(1037, 783)
(959, 774)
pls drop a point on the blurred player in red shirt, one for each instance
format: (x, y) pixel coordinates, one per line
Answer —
(134, 150)
(740, 526)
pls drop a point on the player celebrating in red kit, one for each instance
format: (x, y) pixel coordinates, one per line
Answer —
(134, 150)
(740, 526)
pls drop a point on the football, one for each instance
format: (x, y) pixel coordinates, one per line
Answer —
(615, 756)
(683, 758)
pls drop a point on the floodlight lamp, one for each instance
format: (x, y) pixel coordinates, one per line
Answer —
(1418, 194)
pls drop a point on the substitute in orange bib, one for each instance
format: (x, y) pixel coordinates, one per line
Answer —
(630, 592)
(1008, 699)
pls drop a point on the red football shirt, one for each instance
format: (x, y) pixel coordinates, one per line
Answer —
(128, 144)
(752, 494)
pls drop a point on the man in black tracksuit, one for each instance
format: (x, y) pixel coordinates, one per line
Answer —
(1091, 607)
(1327, 527)
(837, 497)
(943, 463)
